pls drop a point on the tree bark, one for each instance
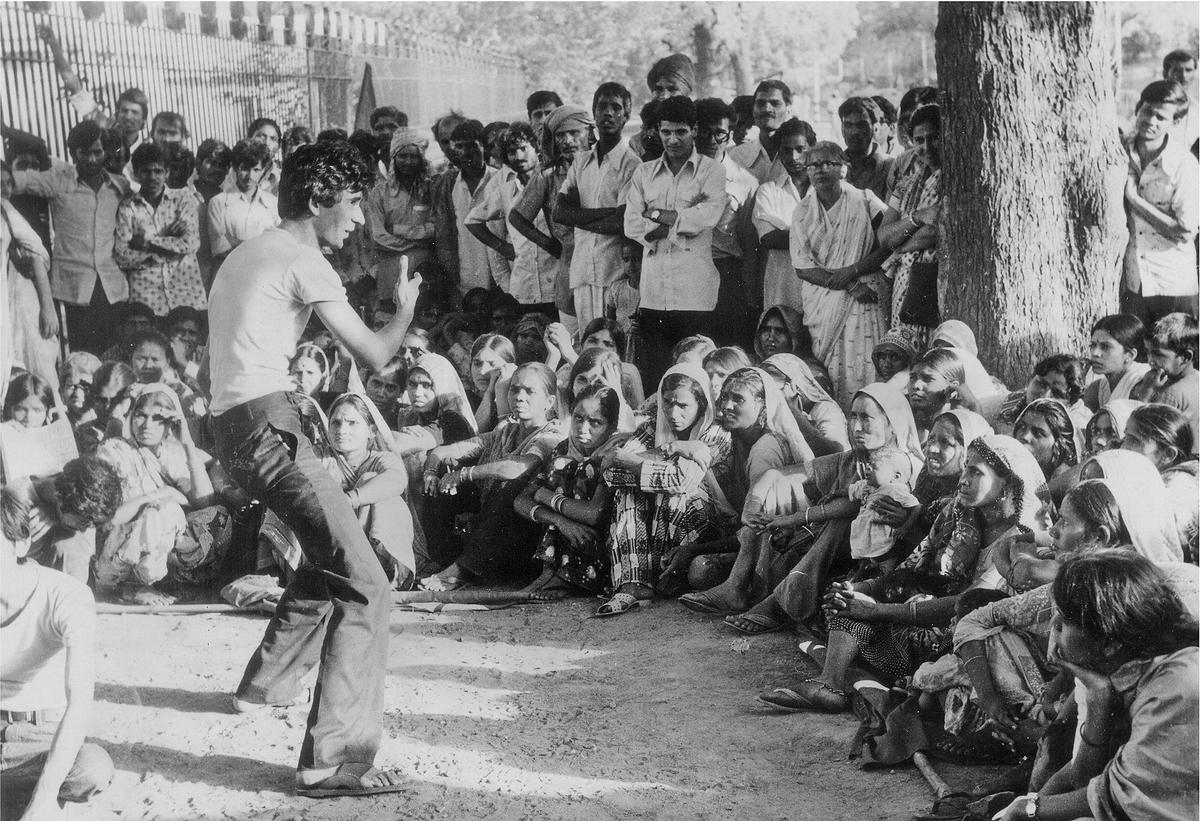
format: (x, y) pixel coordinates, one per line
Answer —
(1033, 224)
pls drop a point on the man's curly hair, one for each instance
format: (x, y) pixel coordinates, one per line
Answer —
(320, 173)
(89, 488)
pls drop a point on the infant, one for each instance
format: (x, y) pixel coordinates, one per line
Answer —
(870, 539)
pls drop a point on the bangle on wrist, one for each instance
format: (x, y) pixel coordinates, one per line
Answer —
(912, 612)
(968, 659)
(533, 512)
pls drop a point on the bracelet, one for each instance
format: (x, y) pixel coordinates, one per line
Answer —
(556, 502)
(807, 511)
(823, 516)
(1083, 737)
(912, 611)
(969, 659)
(533, 513)
(466, 474)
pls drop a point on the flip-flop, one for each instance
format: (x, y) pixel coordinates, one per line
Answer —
(787, 699)
(762, 624)
(447, 585)
(703, 603)
(347, 783)
(243, 706)
(618, 604)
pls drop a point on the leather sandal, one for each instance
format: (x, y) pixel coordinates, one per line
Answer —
(810, 694)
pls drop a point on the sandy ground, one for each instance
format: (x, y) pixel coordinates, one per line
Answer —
(535, 712)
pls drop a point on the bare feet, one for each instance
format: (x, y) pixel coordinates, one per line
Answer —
(145, 595)
(452, 578)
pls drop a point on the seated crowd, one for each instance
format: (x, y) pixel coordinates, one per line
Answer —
(640, 369)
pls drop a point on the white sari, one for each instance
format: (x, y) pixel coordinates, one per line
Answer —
(844, 330)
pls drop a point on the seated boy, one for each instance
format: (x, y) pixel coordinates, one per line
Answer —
(1173, 379)
(871, 541)
(47, 643)
(64, 511)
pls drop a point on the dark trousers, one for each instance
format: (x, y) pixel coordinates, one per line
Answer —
(500, 545)
(734, 319)
(91, 327)
(335, 611)
(661, 330)
(1150, 309)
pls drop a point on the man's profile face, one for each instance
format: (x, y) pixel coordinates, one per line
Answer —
(130, 118)
(678, 139)
(770, 109)
(537, 116)
(610, 114)
(1182, 72)
(89, 161)
(444, 130)
(336, 222)
(858, 131)
(166, 132)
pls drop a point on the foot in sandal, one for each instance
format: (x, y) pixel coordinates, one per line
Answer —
(625, 599)
(354, 779)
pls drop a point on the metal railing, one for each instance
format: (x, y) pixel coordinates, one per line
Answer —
(300, 65)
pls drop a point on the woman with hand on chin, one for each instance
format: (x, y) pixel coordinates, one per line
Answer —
(1124, 634)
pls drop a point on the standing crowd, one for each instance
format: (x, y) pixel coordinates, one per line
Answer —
(704, 361)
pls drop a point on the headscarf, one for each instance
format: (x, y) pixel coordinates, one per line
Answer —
(533, 322)
(405, 137)
(1141, 496)
(137, 391)
(677, 67)
(781, 422)
(790, 317)
(663, 434)
(565, 116)
(451, 395)
(1119, 411)
(1012, 460)
(1072, 428)
(801, 377)
(970, 423)
(899, 415)
(957, 334)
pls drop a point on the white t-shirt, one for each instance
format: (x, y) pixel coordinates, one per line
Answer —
(33, 660)
(260, 301)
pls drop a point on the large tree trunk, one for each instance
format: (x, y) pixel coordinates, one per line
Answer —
(1033, 226)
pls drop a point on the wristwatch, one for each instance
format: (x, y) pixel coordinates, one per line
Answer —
(1031, 806)
(655, 214)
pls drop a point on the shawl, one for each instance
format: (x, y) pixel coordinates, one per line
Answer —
(1074, 431)
(1119, 411)
(1105, 393)
(136, 392)
(1145, 507)
(781, 423)
(790, 318)
(677, 67)
(970, 423)
(1012, 460)
(956, 334)
(451, 394)
(801, 377)
(663, 434)
(899, 415)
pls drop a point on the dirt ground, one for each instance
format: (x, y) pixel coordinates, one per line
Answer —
(534, 712)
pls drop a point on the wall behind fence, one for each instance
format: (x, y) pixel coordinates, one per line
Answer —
(298, 65)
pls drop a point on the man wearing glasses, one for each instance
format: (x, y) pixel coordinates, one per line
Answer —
(243, 214)
(734, 241)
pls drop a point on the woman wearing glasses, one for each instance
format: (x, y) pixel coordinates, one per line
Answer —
(836, 256)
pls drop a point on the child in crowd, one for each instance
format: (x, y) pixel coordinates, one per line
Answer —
(571, 499)
(493, 362)
(718, 364)
(75, 377)
(871, 540)
(28, 402)
(1173, 379)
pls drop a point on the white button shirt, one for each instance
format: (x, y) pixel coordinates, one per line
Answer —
(531, 274)
(677, 272)
(601, 183)
(1167, 267)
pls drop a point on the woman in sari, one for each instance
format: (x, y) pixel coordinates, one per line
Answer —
(1048, 430)
(439, 412)
(958, 337)
(492, 364)
(918, 199)
(1162, 434)
(893, 356)
(820, 418)
(936, 383)
(1002, 645)
(895, 623)
(573, 501)
(781, 330)
(668, 479)
(837, 258)
(765, 438)
(487, 472)
(171, 521)
(814, 492)
(1106, 429)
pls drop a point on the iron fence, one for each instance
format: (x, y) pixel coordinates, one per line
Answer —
(300, 65)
